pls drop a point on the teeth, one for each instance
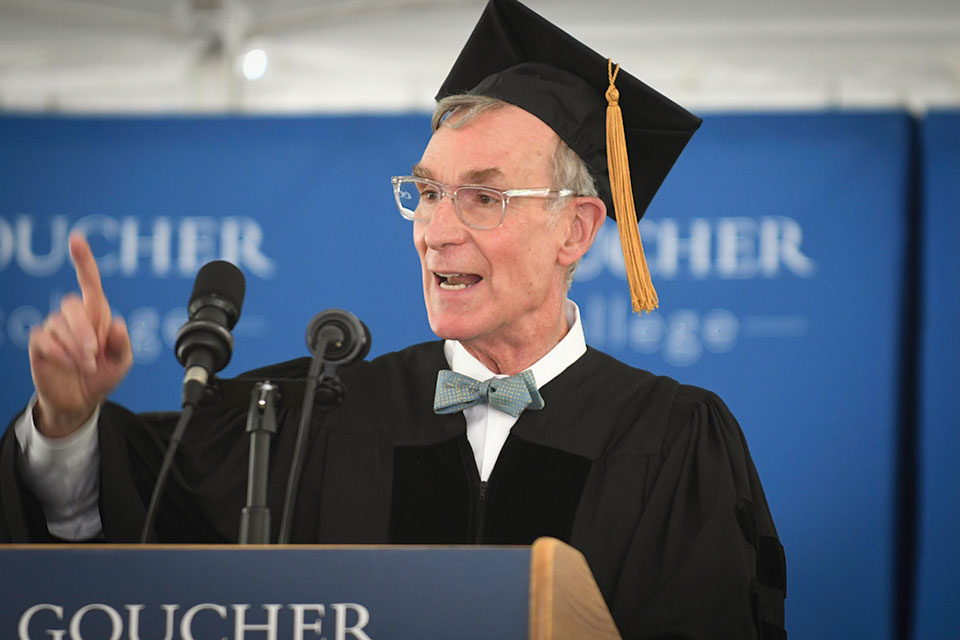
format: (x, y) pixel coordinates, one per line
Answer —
(446, 285)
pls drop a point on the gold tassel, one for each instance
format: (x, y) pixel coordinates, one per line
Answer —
(642, 293)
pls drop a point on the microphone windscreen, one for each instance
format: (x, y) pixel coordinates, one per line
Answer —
(223, 280)
(346, 339)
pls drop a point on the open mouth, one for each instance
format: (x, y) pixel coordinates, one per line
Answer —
(456, 281)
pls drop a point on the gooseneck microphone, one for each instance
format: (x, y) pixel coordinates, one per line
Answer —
(204, 346)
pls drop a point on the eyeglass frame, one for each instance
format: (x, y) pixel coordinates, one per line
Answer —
(507, 194)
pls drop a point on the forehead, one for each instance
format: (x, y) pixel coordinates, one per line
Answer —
(508, 144)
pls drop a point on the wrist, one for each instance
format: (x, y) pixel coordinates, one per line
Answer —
(59, 424)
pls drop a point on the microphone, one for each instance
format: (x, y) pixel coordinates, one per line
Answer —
(204, 343)
(338, 337)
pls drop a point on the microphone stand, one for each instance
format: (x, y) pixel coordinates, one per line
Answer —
(262, 398)
(261, 425)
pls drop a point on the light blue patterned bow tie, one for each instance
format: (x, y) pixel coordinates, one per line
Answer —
(456, 392)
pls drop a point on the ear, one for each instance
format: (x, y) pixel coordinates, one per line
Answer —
(581, 229)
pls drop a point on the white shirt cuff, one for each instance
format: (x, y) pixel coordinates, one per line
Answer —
(63, 473)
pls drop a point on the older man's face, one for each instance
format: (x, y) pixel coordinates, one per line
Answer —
(502, 286)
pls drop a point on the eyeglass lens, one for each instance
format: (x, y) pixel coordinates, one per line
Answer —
(477, 206)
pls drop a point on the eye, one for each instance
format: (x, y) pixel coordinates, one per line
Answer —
(484, 198)
(429, 193)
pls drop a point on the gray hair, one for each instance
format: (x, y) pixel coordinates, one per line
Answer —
(567, 169)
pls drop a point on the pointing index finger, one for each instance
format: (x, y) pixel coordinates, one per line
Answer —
(88, 276)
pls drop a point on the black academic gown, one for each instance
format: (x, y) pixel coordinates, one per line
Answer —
(650, 479)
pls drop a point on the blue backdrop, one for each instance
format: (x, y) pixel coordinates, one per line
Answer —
(938, 601)
(777, 246)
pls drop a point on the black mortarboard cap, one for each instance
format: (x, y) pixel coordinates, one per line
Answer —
(519, 57)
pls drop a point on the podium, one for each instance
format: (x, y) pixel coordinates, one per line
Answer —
(230, 592)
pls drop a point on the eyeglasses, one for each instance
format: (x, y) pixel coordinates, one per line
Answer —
(477, 206)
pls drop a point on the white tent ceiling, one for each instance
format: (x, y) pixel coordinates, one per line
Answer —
(390, 55)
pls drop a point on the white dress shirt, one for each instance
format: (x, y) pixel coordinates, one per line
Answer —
(63, 472)
(488, 428)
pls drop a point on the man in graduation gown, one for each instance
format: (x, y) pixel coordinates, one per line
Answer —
(509, 429)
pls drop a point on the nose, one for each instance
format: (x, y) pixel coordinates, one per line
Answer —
(445, 226)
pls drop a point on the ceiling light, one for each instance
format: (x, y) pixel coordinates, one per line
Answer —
(254, 64)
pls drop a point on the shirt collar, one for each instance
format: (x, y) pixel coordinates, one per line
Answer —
(566, 352)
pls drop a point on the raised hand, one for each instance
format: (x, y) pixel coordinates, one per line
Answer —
(79, 354)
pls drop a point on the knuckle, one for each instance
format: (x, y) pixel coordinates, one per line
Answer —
(52, 321)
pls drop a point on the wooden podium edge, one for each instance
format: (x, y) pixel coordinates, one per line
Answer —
(565, 601)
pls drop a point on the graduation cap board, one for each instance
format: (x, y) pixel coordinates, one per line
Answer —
(598, 110)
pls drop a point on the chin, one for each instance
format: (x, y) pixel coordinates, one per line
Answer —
(447, 330)
(450, 327)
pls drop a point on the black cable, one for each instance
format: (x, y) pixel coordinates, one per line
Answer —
(192, 393)
(299, 450)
